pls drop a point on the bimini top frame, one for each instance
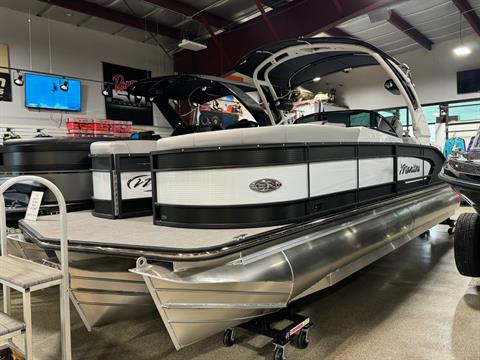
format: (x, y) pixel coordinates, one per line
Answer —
(286, 65)
(196, 89)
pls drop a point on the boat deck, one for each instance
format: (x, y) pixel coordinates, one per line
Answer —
(134, 233)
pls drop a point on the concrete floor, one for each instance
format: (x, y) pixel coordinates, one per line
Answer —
(412, 304)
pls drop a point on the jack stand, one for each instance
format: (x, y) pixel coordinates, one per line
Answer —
(295, 332)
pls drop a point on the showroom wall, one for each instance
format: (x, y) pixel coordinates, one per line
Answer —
(75, 51)
(434, 73)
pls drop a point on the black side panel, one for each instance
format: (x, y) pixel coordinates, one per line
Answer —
(215, 158)
(135, 207)
(222, 217)
(102, 162)
(104, 209)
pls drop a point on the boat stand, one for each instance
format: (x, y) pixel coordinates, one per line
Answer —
(296, 332)
(451, 225)
(26, 277)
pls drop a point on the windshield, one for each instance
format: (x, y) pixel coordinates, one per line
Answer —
(369, 119)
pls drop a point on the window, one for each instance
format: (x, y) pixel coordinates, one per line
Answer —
(431, 113)
(361, 119)
(466, 111)
(401, 113)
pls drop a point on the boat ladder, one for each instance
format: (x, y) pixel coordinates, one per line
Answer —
(26, 277)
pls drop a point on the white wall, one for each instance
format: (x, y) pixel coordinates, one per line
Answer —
(434, 73)
(75, 52)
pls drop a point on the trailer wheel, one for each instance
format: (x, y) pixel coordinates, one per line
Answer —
(467, 244)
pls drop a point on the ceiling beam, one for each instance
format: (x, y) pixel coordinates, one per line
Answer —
(119, 17)
(190, 11)
(295, 19)
(469, 13)
(409, 30)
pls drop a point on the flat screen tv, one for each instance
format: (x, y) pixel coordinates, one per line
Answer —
(45, 92)
(468, 81)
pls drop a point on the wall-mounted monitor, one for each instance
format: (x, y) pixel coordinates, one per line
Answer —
(54, 93)
(468, 81)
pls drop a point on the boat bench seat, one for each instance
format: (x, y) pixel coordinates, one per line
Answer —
(122, 147)
(283, 134)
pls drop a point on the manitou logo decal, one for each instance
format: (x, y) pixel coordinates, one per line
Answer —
(409, 169)
(265, 185)
(143, 182)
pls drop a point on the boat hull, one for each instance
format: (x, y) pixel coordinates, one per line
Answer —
(198, 302)
(102, 289)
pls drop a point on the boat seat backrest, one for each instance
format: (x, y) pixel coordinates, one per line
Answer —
(282, 134)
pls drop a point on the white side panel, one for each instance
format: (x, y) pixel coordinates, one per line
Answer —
(411, 167)
(231, 186)
(102, 189)
(332, 176)
(136, 185)
(376, 171)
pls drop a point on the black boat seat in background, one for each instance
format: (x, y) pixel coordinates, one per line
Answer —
(25, 187)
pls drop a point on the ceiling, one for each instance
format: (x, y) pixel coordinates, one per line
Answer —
(437, 20)
(232, 11)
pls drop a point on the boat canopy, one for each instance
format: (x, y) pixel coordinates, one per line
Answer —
(279, 68)
(197, 90)
(298, 70)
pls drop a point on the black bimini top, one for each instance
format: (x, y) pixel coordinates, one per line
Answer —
(300, 70)
(196, 89)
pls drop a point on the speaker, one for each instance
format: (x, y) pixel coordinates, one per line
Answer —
(211, 118)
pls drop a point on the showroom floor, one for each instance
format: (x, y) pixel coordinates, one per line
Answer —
(412, 304)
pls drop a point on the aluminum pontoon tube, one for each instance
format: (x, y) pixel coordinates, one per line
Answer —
(197, 303)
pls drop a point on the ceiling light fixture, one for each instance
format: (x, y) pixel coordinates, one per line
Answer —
(317, 79)
(64, 86)
(19, 79)
(461, 50)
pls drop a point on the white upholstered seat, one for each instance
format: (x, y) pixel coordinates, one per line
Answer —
(282, 134)
(122, 147)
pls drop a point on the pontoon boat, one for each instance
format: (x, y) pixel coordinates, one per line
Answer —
(250, 219)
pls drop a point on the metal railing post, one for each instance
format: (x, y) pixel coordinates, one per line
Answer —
(65, 285)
